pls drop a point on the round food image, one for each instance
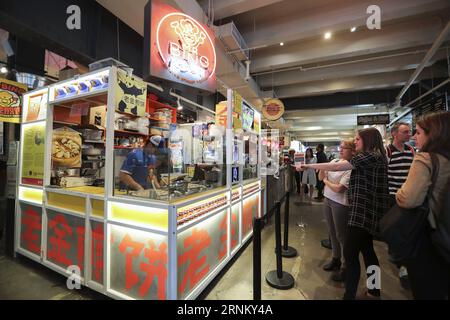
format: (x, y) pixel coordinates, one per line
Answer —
(65, 152)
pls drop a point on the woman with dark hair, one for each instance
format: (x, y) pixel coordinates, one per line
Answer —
(368, 196)
(428, 271)
(309, 176)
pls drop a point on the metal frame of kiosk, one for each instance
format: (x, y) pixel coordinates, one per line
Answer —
(127, 248)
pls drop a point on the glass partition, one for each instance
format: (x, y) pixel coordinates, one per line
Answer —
(167, 161)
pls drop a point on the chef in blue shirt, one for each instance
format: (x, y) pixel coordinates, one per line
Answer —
(137, 171)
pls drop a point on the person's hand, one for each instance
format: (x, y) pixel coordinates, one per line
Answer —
(300, 167)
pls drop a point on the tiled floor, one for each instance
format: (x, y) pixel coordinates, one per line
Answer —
(311, 282)
(23, 279)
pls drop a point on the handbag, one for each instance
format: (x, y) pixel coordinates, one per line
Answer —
(404, 229)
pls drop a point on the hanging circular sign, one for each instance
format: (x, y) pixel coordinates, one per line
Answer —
(185, 48)
(273, 109)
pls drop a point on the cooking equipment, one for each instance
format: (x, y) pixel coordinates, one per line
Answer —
(72, 172)
(91, 151)
(121, 124)
(131, 125)
(91, 134)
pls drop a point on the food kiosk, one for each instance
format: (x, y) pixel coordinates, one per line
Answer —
(167, 240)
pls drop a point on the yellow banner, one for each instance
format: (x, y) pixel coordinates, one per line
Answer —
(33, 153)
(237, 110)
(131, 94)
(11, 100)
(221, 114)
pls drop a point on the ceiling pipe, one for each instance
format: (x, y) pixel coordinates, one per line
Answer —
(173, 94)
(437, 43)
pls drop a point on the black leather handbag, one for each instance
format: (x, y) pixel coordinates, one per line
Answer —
(404, 229)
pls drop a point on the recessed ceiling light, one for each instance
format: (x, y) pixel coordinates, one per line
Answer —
(327, 35)
(281, 43)
(353, 29)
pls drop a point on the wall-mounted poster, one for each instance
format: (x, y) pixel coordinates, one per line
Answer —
(131, 94)
(33, 151)
(11, 100)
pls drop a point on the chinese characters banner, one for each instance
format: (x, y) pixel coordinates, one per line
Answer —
(200, 249)
(235, 222)
(250, 210)
(65, 240)
(131, 94)
(139, 262)
(97, 237)
(31, 228)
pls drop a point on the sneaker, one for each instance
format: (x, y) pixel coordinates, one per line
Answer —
(403, 275)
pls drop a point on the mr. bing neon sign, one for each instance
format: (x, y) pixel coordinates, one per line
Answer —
(185, 48)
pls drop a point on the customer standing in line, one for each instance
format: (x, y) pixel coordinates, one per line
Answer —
(400, 157)
(309, 176)
(368, 196)
(429, 272)
(336, 208)
(321, 158)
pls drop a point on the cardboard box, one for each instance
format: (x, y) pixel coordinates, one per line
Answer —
(97, 116)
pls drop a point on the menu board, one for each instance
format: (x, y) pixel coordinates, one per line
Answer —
(430, 106)
(35, 106)
(33, 153)
(131, 94)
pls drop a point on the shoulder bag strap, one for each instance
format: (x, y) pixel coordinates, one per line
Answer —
(434, 175)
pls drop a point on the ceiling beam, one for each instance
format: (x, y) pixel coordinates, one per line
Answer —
(228, 8)
(365, 82)
(296, 21)
(402, 35)
(360, 66)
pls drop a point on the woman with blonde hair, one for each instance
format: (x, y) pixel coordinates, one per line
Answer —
(336, 207)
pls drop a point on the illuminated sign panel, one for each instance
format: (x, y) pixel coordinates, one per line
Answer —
(182, 49)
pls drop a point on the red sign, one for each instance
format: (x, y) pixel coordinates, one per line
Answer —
(31, 227)
(152, 261)
(182, 49)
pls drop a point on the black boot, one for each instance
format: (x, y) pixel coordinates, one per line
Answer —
(339, 277)
(326, 243)
(334, 265)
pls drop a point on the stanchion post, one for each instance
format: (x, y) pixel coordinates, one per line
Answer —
(278, 240)
(278, 278)
(287, 251)
(257, 226)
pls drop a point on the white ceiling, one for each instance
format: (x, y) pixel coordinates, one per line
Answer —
(308, 65)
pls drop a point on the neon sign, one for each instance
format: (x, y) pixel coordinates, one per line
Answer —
(182, 49)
